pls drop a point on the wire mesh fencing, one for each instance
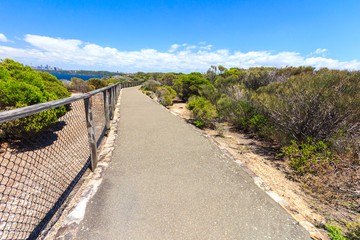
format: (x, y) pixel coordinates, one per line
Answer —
(39, 172)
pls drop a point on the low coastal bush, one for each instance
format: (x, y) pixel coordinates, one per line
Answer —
(203, 112)
(151, 85)
(22, 86)
(334, 232)
(309, 156)
(241, 112)
(97, 83)
(168, 79)
(165, 95)
(313, 105)
(54, 86)
(79, 85)
(112, 81)
(188, 85)
(353, 232)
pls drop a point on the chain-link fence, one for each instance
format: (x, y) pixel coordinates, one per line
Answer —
(39, 172)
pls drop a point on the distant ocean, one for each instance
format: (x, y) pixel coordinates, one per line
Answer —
(69, 76)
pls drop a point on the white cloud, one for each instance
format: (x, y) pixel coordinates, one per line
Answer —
(320, 51)
(174, 47)
(190, 47)
(57, 45)
(76, 54)
(208, 47)
(3, 38)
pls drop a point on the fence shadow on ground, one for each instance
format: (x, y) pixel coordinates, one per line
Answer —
(45, 221)
(39, 173)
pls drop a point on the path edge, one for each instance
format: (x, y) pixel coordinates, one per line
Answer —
(68, 224)
(309, 227)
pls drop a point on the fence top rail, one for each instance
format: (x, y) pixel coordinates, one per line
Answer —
(13, 114)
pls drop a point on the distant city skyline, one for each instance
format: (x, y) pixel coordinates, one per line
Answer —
(44, 67)
(181, 36)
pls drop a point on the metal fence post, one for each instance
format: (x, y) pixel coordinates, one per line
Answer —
(91, 132)
(106, 110)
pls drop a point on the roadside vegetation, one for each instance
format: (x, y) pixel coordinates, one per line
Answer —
(161, 89)
(313, 116)
(22, 86)
(79, 85)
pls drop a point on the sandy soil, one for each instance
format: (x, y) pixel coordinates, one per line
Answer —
(260, 157)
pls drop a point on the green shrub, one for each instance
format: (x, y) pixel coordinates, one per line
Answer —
(259, 77)
(97, 83)
(308, 156)
(151, 85)
(54, 86)
(293, 71)
(313, 105)
(113, 81)
(353, 232)
(165, 95)
(202, 110)
(14, 94)
(25, 127)
(334, 232)
(22, 86)
(257, 122)
(79, 85)
(166, 100)
(225, 108)
(143, 88)
(168, 79)
(243, 112)
(209, 92)
(224, 83)
(188, 85)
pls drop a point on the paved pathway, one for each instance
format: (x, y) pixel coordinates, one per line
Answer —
(167, 181)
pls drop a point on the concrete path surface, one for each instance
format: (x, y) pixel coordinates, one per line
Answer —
(167, 181)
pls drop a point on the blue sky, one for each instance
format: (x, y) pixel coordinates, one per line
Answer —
(182, 35)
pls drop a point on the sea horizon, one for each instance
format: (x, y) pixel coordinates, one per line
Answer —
(67, 76)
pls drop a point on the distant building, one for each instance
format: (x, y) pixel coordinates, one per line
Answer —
(46, 67)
